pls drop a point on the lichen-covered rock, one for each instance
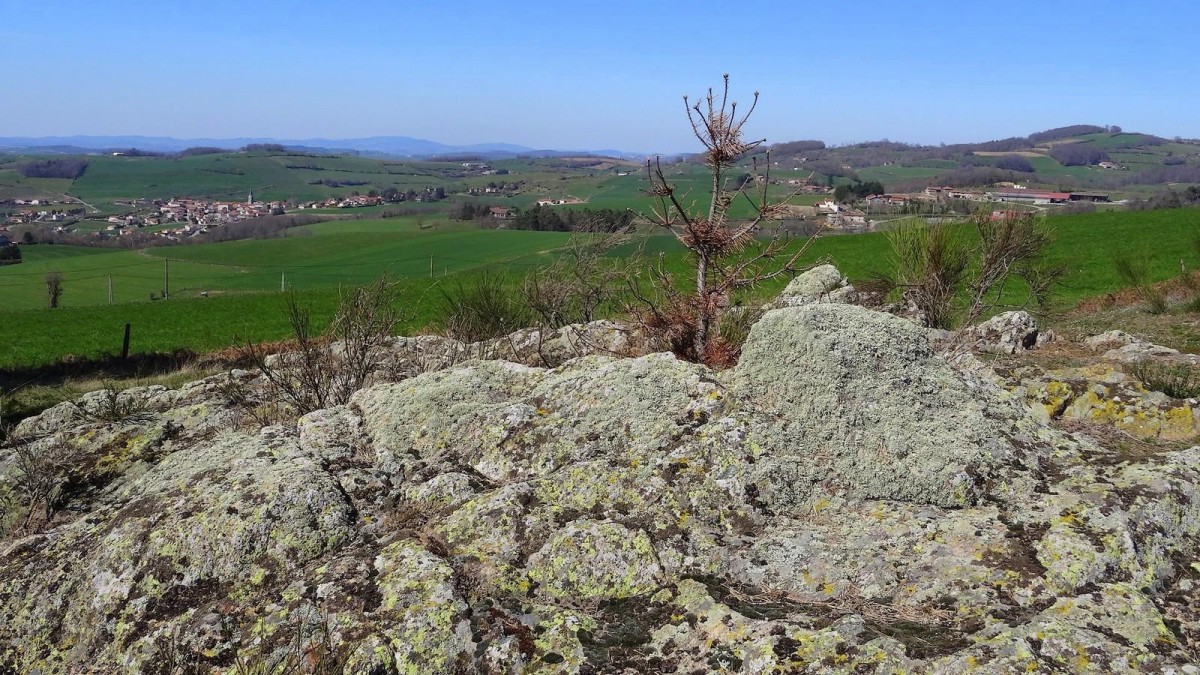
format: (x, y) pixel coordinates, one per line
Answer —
(595, 561)
(823, 283)
(846, 397)
(842, 501)
(1006, 333)
(1122, 347)
(1102, 394)
(197, 528)
(424, 619)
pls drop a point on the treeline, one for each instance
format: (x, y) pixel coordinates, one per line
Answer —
(135, 152)
(57, 167)
(876, 153)
(466, 210)
(266, 227)
(1187, 173)
(796, 147)
(857, 190)
(963, 176)
(549, 219)
(1069, 131)
(1168, 199)
(328, 182)
(201, 150)
(264, 147)
(1003, 162)
(1078, 154)
(10, 255)
(546, 218)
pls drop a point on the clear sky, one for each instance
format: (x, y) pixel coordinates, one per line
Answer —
(587, 74)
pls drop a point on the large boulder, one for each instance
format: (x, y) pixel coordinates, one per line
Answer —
(823, 283)
(852, 399)
(844, 500)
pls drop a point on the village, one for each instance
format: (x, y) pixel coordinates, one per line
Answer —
(193, 217)
(855, 213)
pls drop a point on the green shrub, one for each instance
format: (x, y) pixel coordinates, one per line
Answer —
(931, 264)
(1135, 272)
(483, 307)
(1174, 380)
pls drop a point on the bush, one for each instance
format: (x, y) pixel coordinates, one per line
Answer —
(580, 284)
(325, 369)
(483, 307)
(310, 649)
(936, 266)
(1176, 381)
(111, 406)
(42, 471)
(1135, 272)
(10, 255)
(733, 329)
(931, 264)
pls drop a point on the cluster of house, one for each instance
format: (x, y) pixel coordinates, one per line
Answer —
(559, 201)
(1014, 193)
(505, 189)
(839, 216)
(482, 169)
(25, 202)
(44, 211)
(36, 216)
(351, 202)
(806, 186)
(194, 216)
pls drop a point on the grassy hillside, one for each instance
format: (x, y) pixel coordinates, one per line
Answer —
(905, 167)
(331, 254)
(243, 277)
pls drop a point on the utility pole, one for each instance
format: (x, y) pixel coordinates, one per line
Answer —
(431, 267)
(166, 277)
(110, 289)
(283, 282)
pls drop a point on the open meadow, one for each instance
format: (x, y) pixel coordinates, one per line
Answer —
(229, 292)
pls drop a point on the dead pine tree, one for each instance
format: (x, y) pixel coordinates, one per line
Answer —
(728, 255)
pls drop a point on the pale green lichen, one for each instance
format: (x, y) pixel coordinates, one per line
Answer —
(596, 560)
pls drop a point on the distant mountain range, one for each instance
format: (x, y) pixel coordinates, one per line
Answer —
(382, 146)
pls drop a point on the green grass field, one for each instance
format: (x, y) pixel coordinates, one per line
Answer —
(242, 279)
(332, 253)
(895, 172)
(15, 186)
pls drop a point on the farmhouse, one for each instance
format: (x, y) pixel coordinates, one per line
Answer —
(887, 200)
(560, 201)
(847, 218)
(1031, 196)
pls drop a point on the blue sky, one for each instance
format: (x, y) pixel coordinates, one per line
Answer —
(586, 74)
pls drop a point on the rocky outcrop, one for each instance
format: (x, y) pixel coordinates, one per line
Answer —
(1102, 394)
(1122, 347)
(844, 500)
(1006, 333)
(823, 283)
